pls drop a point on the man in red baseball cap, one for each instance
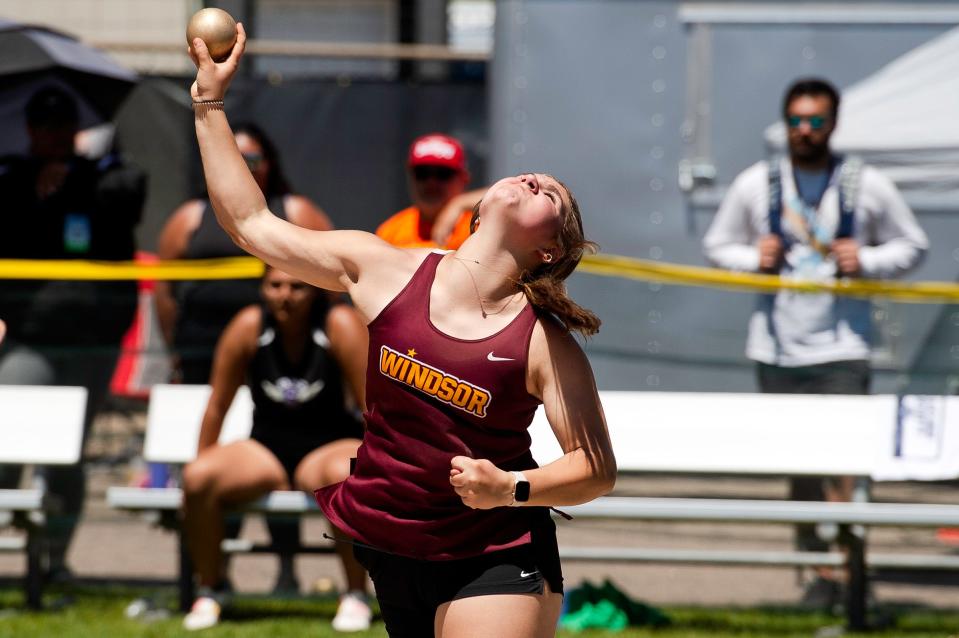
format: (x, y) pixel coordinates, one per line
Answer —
(438, 178)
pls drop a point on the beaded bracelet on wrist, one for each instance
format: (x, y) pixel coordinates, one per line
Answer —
(211, 104)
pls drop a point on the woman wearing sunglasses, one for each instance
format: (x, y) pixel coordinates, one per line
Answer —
(448, 510)
(193, 314)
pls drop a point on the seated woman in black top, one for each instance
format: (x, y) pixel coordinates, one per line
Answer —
(297, 353)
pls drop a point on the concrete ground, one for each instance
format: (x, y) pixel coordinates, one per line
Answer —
(116, 544)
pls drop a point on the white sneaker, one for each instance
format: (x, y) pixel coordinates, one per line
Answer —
(204, 613)
(354, 613)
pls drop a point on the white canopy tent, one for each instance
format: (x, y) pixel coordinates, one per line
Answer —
(904, 119)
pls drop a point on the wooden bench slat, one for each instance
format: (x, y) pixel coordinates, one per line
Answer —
(755, 558)
(21, 500)
(762, 511)
(694, 556)
(170, 498)
(12, 544)
(246, 546)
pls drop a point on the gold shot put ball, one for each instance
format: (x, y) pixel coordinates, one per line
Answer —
(216, 28)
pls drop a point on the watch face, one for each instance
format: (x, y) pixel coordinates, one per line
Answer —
(522, 491)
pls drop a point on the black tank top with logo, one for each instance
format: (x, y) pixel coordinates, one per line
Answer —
(298, 404)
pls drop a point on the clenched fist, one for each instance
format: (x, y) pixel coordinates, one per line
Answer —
(847, 256)
(770, 253)
(479, 483)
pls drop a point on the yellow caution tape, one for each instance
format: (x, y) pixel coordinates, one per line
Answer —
(227, 268)
(907, 292)
(604, 265)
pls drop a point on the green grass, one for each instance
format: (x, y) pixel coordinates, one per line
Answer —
(87, 612)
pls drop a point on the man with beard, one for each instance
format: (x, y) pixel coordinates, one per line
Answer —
(441, 211)
(814, 216)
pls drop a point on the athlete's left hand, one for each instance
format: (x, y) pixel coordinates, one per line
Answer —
(479, 483)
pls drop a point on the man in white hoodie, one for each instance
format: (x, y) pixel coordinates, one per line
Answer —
(814, 215)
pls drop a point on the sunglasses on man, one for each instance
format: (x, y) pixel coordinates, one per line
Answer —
(816, 122)
(439, 173)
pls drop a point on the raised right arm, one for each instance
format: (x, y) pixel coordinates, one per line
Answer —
(356, 262)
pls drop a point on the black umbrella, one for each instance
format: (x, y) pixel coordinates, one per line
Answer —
(32, 57)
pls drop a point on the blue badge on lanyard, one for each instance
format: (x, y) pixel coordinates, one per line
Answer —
(76, 233)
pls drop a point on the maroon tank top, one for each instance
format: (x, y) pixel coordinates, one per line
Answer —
(431, 397)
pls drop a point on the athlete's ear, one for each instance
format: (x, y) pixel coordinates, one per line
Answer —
(549, 254)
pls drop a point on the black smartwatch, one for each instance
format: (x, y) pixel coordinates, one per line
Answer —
(520, 490)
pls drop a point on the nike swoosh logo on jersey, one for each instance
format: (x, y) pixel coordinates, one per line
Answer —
(523, 574)
(493, 357)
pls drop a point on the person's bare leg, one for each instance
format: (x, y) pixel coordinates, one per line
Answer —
(324, 466)
(219, 477)
(504, 616)
(837, 489)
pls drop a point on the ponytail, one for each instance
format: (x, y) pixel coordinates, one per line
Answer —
(548, 293)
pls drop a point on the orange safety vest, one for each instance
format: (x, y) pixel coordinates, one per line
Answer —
(403, 229)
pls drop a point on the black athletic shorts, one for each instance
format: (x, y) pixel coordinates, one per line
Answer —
(409, 590)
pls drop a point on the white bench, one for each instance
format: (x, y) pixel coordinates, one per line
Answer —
(777, 434)
(877, 437)
(174, 415)
(702, 433)
(39, 425)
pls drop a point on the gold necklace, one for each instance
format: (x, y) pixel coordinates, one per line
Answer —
(479, 298)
